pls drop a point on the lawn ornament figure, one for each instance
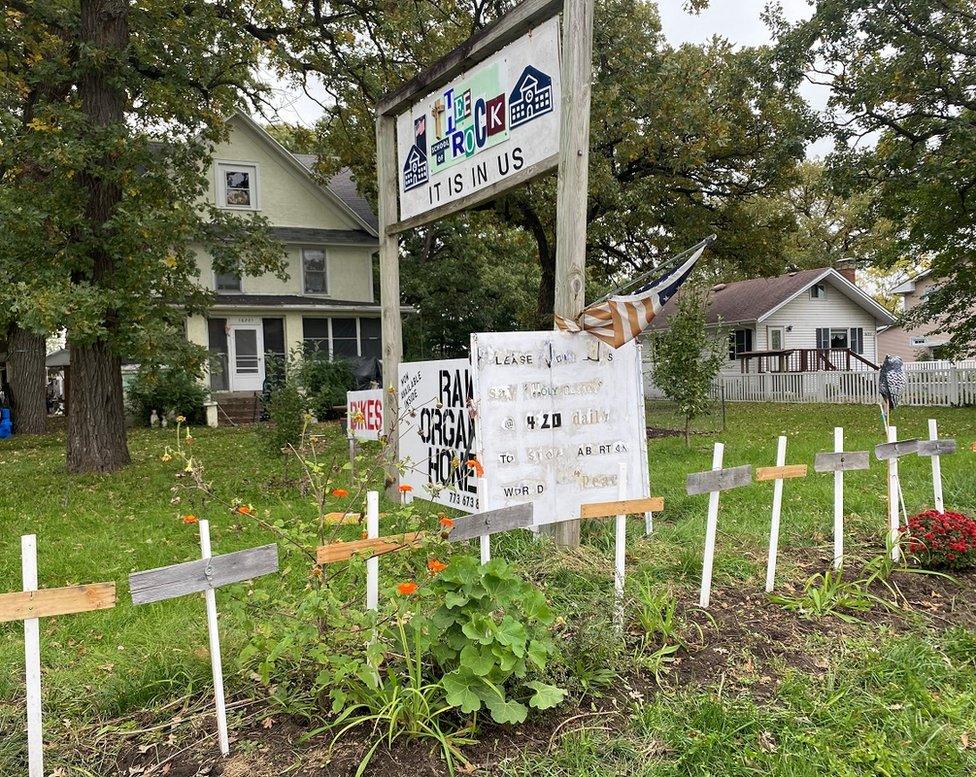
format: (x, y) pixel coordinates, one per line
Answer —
(891, 384)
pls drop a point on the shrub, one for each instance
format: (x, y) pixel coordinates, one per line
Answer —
(170, 391)
(286, 411)
(942, 540)
(325, 382)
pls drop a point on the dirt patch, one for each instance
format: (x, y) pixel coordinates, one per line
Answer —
(742, 641)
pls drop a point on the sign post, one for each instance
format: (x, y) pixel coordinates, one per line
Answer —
(777, 474)
(935, 448)
(205, 576)
(29, 606)
(891, 451)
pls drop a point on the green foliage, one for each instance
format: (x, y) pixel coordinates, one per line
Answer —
(286, 411)
(902, 73)
(827, 593)
(324, 381)
(169, 391)
(687, 357)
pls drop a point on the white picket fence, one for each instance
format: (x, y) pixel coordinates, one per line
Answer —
(930, 384)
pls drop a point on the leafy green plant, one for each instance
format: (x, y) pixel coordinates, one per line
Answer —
(168, 391)
(827, 593)
(286, 411)
(324, 381)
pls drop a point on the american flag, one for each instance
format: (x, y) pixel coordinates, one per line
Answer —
(618, 319)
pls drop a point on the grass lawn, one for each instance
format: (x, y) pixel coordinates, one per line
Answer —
(749, 687)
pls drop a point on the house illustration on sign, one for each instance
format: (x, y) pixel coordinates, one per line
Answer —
(531, 97)
(415, 172)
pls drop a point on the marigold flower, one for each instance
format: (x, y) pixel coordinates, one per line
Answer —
(165, 457)
(408, 588)
(434, 566)
(189, 519)
(245, 510)
(405, 488)
(340, 493)
(476, 466)
(446, 522)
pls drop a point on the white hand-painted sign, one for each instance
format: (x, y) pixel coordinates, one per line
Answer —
(492, 121)
(557, 415)
(436, 432)
(364, 414)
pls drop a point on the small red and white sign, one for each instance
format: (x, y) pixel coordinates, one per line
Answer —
(364, 414)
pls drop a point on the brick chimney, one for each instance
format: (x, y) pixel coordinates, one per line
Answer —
(848, 269)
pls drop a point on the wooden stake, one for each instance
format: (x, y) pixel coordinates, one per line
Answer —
(32, 658)
(777, 509)
(711, 528)
(572, 183)
(392, 328)
(373, 562)
(936, 468)
(894, 486)
(838, 502)
(210, 596)
(620, 553)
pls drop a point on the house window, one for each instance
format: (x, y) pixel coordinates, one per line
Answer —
(313, 268)
(315, 335)
(237, 186)
(818, 291)
(370, 338)
(227, 281)
(857, 339)
(740, 341)
(834, 338)
(337, 338)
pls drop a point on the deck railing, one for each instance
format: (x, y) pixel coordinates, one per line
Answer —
(803, 360)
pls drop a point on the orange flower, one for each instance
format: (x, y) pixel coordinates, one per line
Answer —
(245, 509)
(340, 493)
(434, 566)
(446, 522)
(476, 466)
(189, 519)
(405, 488)
(405, 589)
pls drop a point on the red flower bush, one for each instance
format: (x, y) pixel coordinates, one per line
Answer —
(942, 540)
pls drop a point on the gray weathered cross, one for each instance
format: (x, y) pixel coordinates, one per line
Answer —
(206, 576)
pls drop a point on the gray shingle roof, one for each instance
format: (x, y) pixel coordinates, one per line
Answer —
(745, 300)
(276, 300)
(322, 236)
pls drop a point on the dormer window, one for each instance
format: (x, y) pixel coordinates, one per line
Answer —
(818, 291)
(237, 186)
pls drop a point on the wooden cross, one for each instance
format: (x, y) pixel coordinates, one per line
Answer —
(777, 474)
(206, 576)
(839, 462)
(619, 510)
(29, 606)
(891, 451)
(479, 525)
(934, 448)
(712, 482)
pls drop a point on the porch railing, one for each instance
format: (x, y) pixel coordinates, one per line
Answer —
(803, 360)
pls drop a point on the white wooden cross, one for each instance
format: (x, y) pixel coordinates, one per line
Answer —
(619, 510)
(206, 576)
(29, 606)
(891, 451)
(839, 462)
(934, 448)
(777, 474)
(713, 482)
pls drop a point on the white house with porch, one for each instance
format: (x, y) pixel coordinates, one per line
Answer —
(805, 321)
(329, 234)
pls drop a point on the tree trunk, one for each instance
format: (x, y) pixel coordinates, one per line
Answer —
(96, 417)
(547, 284)
(96, 413)
(26, 374)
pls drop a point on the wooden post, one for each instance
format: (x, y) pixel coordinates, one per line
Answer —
(711, 528)
(32, 658)
(386, 181)
(572, 183)
(484, 541)
(894, 516)
(936, 468)
(620, 553)
(838, 502)
(777, 509)
(210, 596)
(373, 562)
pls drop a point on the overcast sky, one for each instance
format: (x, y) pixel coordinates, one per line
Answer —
(737, 20)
